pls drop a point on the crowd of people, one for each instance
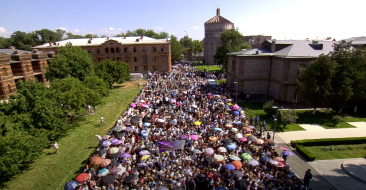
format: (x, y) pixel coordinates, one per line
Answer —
(221, 148)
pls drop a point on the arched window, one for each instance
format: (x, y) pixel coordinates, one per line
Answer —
(112, 50)
(144, 50)
(117, 50)
(106, 50)
(125, 50)
(98, 51)
(153, 49)
(135, 49)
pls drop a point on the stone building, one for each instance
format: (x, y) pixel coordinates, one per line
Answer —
(255, 41)
(213, 29)
(21, 65)
(271, 71)
(142, 53)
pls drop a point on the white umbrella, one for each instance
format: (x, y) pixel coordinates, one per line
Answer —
(222, 149)
(142, 101)
(161, 120)
(194, 106)
(238, 136)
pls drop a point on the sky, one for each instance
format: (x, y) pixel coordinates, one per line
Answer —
(281, 19)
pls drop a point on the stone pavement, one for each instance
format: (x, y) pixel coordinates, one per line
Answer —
(355, 168)
(318, 132)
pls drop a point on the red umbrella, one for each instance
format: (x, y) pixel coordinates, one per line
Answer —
(83, 177)
(237, 164)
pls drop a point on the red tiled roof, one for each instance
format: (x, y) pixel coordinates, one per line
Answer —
(218, 19)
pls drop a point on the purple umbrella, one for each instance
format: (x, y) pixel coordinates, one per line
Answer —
(126, 155)
(230, 167)
(118, 142)
(113, 140)
(142, 165)
(183, 137)
(287, 153)
(122, 150)
(106, 143)
(128, 129)
(128, 145)
(144, 152)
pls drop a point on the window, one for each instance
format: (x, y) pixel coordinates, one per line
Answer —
(163, 68)
(163, 49)
(144, 50)
(154, 58)
(98, 52)
(127, 59)
(145, 60)
(125, 50)
(145, 68)
(4, 72)
(9, 88)
(136, 68)
(135, 59)
(163, 58)
(134, 49)
(99, 59)
(117, 50)
(155, 68)
(89, 51)
(153, 49)
(106, 50)
(112, 50)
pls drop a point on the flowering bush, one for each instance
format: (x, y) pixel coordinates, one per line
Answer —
(288, 116)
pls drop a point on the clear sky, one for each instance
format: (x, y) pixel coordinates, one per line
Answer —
(282, 19)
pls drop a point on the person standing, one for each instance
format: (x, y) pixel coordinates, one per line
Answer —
(102, 121)
(308, 176)
(95, 109)
(56, 147)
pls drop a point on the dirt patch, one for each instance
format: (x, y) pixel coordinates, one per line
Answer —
(130, 84)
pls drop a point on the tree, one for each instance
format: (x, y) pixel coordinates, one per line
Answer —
(150, 33)
(288, 116)
(359, 77)
(103, 36)
(186, 42)
(24, 41)
(231, 41)
(70, 61)
(315, 82)
(5, 42)
(246, 45)
(162, 35)
(46, 36)
(176, 49)
(197, 46)
(268, 108)
(96, 88)
(112, 71)
(91, 36)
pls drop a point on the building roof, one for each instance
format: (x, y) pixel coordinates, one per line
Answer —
(356, 40)
(218, 19)
(11, 51)
(262, 51)
(98, 41)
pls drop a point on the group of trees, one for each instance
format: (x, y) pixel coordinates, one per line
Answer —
(144, 32)
(335, 79)
(38, 114)
(231, 41)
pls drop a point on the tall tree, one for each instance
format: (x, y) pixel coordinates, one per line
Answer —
(176, 49)
(91, 36)
(186, 42)
(197, 46)
(46, 36)
(162, 35)
(23, 40)
(112, 71)
(231, 41)
(5, 42)
(70, 61)
(150, 33)
(359, 85)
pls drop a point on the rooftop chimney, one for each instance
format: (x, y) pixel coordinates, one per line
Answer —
(125, 37)
(273, 45)
(11, 47)
(16, 52)
(35, 51)
(218, 11)
(142, 37)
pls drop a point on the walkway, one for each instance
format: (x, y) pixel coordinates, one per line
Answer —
(318, 132)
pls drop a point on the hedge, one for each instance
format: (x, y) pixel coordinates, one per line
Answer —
(327, 142)
(305, 153)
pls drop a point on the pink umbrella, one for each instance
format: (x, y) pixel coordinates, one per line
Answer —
(209, 151)
(194, 137)
(243, 139)
(133, 105)
(282, 148)
(140, 104)
(235, 107)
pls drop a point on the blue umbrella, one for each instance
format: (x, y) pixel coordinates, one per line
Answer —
(144, 133)
(173, 122)
(173, 94)
(231, 146)
(71, 185)
(253, 162)
(265, 159)
(235, 113)
(287, 153)
(230, 167)
(213, 101)
(106, 143)
(218, 129)
(147, 124)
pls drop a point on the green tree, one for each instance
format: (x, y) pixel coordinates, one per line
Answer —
(231, 41)
(186, 42)
(197, 46)
(96, 89)
(162, 35)
(103, 36)
(246, 45)
(315, 81)
(288, 117)
(24, 41)
(150, 33)
(70, 61)
(5, 42)
(46, 36)
(91, 36)
(268, 108)
(359, 86)
(176, 49)
(112, 71)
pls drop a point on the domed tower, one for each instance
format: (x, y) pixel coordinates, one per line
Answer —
(213, 29)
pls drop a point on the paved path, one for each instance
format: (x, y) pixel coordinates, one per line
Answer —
(318, 132)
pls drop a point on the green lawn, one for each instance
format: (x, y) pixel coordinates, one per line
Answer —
(52, 171)
(338, 151)
(212, 68)
(221, 81)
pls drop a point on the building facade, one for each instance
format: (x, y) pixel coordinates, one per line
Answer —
(255, 41)
(213, 29)
(143, 54)
(271, 71)
(21, 65)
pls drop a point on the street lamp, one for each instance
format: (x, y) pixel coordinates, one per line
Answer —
(236, 91)
(275, 119)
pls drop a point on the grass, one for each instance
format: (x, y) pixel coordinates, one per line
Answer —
(338, 151)
(221, 81)
(52, 171)
(212, 68)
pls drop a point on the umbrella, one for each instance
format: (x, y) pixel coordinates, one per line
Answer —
(238, 136)
(248, 151)
(196, 151)
(106, 180)
(71, 185)
(234, 158)
(254, 148)
(213, 138)
(105, 162)
(235, 107)
(161, 120)
(264, 159)
(115, 156)
(145, 157)
(113, 150)
(218, 129)
(259, 141)
(246, 156)
(143, 101)
(182, 137)
(115, 169)
(162, 188)
(237, 173)
(133, 105)
(253, 162)
(128, 129)
(273, 162)
(282, 148)
(83, 177)
(142, 165)
(144, 152)
(102, 151)
(235, 113)
(229, 167)
(147, 124)
(228, 125)
(144, 133)
(194, 137)
(269, 140)
(122, 150)
(126, 155)
(209, 151)
(227, 141)
(272, 144)
(279, 159)
(280, 165)
(287, 153)
(247, 129)
(234, 130)
(118, 142)
(197, 123)
(252, 138)
(103, 172)
(96, 160)
(173, 122)
(231, 146)
(242, 184)
(131, 178)
(194, 106)
(221, 149)
(237, 164)
(243, 139)
(117, 129)
(219, 158)
(135, 119)
(106, 143)
(105, 137)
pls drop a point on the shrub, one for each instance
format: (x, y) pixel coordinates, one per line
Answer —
(337, 119)
(305, 153)
(329, 142)
(268, 108)
(248, 112)
(288, 116)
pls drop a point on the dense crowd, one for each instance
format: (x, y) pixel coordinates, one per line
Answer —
(222, 149)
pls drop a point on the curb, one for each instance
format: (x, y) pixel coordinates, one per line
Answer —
(350, 174)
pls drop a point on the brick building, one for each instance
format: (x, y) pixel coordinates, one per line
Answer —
(142, 53)
(21, 65)
(213, 29)
(271, 71)
(255, 41)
